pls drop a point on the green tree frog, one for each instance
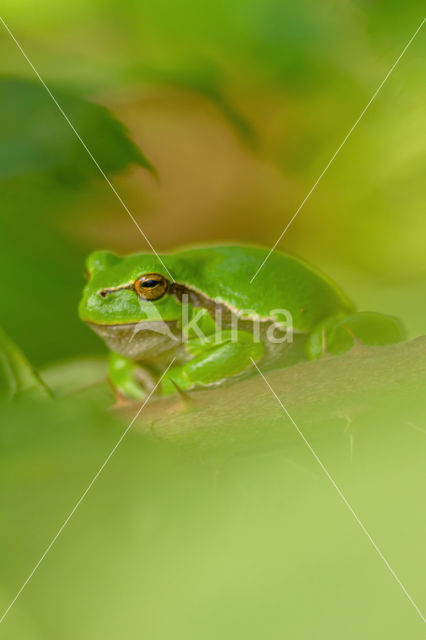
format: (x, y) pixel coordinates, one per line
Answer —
(197, 308)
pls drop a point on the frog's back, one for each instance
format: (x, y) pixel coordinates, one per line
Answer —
(223, 273)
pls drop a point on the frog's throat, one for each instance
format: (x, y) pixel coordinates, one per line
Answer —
(145, 340)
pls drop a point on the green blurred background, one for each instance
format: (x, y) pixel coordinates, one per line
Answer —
(220, 117)
(239, 105)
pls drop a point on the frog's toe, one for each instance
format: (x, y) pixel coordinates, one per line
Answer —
(364, 328)
(338, 335)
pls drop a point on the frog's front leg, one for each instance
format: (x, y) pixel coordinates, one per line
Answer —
(129, 378)
(337, 334)
(213, 360)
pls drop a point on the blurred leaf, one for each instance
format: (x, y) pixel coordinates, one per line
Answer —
(17, 377)
(43, 270)
(209, 81)
(221, 516)
(36, 139)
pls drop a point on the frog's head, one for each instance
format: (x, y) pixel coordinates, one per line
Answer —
(127, 290)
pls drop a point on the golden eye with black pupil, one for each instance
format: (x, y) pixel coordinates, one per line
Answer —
(151, 286)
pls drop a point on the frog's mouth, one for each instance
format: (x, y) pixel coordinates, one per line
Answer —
(140, 340)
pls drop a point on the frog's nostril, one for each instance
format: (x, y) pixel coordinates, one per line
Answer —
(103, 293)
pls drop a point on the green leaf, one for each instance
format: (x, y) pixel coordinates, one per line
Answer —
(35, 138)
(208, 81)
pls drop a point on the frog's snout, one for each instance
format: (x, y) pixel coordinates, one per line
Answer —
(103, 293)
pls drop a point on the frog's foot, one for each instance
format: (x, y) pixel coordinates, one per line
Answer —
(213, 361)
(129, 380)
(339, 334)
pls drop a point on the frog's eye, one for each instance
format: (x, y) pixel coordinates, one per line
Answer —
(151, 286)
